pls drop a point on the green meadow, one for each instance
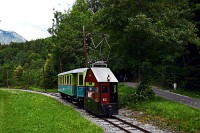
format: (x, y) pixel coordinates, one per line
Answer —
(23, 112)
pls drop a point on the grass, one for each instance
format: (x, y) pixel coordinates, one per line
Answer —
(177, 116)
(36, 88)
(42, 89)
(189, 93)
(166, 113)
(22, 112)
(124, 94)
(193, 94)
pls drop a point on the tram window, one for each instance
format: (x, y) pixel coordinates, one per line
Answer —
(97, 90)
(59, 80)
(63, 82)
(80, 79)
(70, 79)
(104, 89)
(67, 79)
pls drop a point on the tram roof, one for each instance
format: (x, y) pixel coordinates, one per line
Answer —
(79, 70)
(101, 74)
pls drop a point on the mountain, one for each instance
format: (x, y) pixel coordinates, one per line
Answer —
(9, 36)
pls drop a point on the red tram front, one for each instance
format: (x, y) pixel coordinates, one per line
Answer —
(101, 91)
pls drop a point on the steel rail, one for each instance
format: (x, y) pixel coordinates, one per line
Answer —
(125, 122)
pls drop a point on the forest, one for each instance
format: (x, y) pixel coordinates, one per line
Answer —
(154, 42)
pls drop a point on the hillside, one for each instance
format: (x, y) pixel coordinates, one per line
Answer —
(9, 36)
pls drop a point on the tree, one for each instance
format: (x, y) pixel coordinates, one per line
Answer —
(49, 73)
(18, 72)
(68, 36)
(147, 33)
(195, 5)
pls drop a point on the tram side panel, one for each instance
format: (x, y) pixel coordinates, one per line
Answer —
(80, 87)
(65, 85)
(91, 103)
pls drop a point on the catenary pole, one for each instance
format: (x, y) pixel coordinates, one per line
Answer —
(85, 48)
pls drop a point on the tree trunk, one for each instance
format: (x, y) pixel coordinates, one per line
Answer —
(28, 75)
(141, 76)
(45, 88)
(7, 77)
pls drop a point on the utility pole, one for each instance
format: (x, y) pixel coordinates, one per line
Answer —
(60, 65)
(85, 48)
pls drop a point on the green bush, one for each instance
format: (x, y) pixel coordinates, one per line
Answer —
(125, 95)
(129, 95)
(144, 92)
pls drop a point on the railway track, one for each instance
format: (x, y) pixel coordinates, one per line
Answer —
(116, 123)
(125, 126)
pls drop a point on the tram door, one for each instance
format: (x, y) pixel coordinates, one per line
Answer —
(105, 93)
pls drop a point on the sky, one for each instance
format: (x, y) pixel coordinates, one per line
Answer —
(30, 18)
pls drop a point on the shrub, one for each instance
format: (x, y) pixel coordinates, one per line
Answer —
(144, 92)
(129, 95)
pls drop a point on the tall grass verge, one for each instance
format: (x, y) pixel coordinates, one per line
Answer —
(162, 112)
(189, 93)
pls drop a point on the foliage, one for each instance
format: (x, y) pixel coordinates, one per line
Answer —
(130, 95)
(144, 92)
(68, 36)
(23, 112)
(31, 53)
(18, 73)
(49, 73)
(155, 32)
(157, 41)
(94, 5)
(126, 95)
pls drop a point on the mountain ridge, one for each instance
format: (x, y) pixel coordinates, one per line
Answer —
(6, 37)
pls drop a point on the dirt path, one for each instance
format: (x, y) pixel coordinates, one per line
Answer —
(172, 96)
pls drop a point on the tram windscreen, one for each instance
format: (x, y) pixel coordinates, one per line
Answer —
(104, 89)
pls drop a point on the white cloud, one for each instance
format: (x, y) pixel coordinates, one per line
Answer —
(30, 18)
